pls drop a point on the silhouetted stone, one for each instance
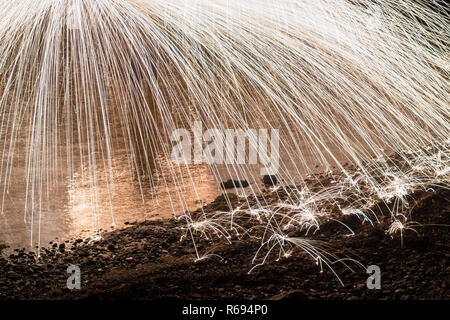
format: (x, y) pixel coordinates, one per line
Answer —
(270, 180)
(223, 201)
(234, 184)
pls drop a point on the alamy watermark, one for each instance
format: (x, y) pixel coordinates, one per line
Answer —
(228, 146)
(74, 280)
(374, 281)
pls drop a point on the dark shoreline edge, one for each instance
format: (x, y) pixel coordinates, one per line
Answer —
(148, 261)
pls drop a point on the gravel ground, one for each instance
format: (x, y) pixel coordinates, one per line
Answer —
(148, 260)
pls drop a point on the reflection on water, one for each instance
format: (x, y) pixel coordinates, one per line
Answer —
(123, 201)
(73, 210)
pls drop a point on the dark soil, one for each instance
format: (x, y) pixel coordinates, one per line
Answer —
(148, 261)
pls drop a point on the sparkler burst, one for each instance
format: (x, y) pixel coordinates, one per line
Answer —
(343, 82)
